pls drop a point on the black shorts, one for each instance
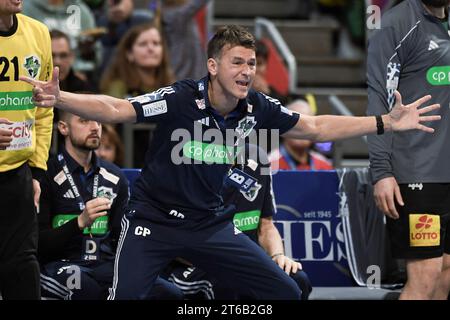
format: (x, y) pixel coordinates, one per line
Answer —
(423, 229)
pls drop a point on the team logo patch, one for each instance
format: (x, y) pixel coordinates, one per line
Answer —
(252, 193)
(105, 192)
(32, 65)
(155, 108)
(424, 230)
(245, 126)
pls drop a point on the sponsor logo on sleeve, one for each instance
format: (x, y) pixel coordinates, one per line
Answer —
(248, 220)
(60, 178)
(155, 108)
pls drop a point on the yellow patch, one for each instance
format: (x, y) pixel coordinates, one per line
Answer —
(424, 230)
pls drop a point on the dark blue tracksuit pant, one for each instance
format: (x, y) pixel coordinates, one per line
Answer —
(82, 280)
(213, 245)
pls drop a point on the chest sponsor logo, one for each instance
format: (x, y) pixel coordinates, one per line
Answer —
(15, 101)
(155, 108)
(99, 227)
(245, 221)
(439, 76)
(32, 65)
(424, 230)
(21, 134)
(207, 152)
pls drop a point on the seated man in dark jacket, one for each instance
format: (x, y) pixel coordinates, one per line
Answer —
(82, 203)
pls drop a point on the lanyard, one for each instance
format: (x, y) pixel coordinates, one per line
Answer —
(231, 159)
(74, 187)
(240, 139)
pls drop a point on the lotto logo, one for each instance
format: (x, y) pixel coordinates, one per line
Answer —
(424, 230)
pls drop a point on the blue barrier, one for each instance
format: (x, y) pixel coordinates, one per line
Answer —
(309, 223)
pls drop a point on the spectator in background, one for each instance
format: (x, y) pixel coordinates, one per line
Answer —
(74, 18)
(111, 146)
(295, 154)
(63, 57)
(118, 17)
(187, 54)
(140, 64)
(260, 84)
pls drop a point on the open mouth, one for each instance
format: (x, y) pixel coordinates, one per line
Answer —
(242, 83)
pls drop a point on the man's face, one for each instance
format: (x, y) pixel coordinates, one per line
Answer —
(62, 56)
(235, 71)
(10, 6)
(436, 3)
(83, 134)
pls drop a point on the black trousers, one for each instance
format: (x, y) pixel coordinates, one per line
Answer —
(19, 269)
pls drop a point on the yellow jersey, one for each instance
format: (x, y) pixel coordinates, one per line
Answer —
(25, 50)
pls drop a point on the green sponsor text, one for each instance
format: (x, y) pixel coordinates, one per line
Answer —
(99, 227)
(248, 220)
(16, 100)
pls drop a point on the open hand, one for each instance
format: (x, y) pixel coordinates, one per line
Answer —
(410, 117)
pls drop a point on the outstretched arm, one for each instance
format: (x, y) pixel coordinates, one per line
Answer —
(401, 118)
(100, 108)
